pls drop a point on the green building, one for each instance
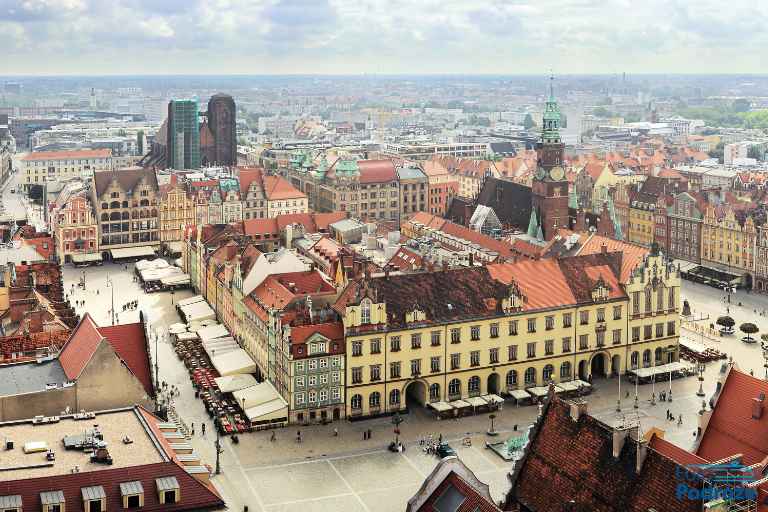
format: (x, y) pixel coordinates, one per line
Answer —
(183, 134)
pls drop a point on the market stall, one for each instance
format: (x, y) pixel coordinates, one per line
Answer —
(234, 362)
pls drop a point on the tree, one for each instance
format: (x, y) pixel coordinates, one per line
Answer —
(528, 123)
(755, 152)
(741, 105)
(725, 321)
(718, 152)
(748, 328)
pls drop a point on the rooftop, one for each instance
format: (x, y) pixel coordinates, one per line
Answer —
(30, 377)
(67, 155)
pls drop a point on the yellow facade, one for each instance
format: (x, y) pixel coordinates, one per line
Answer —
(641, 224)
(726, 243)
(177, 210)
(518, 349)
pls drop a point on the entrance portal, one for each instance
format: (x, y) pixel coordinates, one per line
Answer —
(415, 394)
(597, 368)
(493, 384)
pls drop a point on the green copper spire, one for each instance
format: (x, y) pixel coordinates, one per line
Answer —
(533, 225)
(573, 201)
(550, 132)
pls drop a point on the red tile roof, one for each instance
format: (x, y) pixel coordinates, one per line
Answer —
(406, 259)
(305, 219)
(323, 220)
(279, 290)
(68, 155)
(332, 330)
(473, 500)
(260, 227)
(277, 188)
(731, 429)
(130, 343)
(376, 171)
(632, 254)
(674, 452)
(247, 176)
(80, 347)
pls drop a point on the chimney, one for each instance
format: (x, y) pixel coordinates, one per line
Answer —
(619, 437)
(386, 271)
(604, 249)
(757, 407)
(578, 409)
(471, 260)
(642, 452)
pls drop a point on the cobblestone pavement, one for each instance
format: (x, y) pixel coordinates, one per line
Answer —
(346, 473)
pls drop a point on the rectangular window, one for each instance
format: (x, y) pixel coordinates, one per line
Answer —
(635, 303)
(531, 349)
(671, 299)
(512, 352)
(584, 317)
(494, 330)
(474, 358)
(474, 332)
(600, 338)
(531, 325)
(434, 364)
(357, 375)
(416, 340)
(376, 346)
(312, 380)
(415, 367)
(601, 314)
(513, 327)
(636, 334)
(357, 348)
(567, 344)
(567, 320)
(455, 361)
(455, 335)
(660, 330)
(394, 344)
(617, 312)
(394, 370)
(583, 341)
(375, 372)
(549, 322)
(671, 328)
(435, 338)
(493, 355)
(617, 336)
(549, 347)
(648, 332)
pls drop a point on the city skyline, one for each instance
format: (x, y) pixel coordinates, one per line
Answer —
(341, 37)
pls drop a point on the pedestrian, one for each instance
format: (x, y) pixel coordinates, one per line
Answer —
(335, 432)
(193, 429)
(298, 436)
(680, 420)
(97, 291)
(440, 439)
(667, 414)
(365, 435)
(273, 437)
(203, 427)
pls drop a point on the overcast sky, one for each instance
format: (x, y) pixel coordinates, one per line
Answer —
(382, 36)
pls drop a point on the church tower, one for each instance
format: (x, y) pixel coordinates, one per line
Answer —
(549, 192)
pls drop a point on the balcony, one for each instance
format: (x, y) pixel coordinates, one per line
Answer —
(601, 326)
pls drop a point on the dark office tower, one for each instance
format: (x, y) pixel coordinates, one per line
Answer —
(183, 135)
(221, 121)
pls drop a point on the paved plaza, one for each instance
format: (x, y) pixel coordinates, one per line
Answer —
(347, 473)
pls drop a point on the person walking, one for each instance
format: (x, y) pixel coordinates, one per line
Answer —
(193, 429)
(335, 432)
(203, 427)
(273, 437)
(298, 436)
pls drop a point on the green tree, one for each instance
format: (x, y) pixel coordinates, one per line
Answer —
(755, 152)
(140, 141)
(718, 152)
(528, 123)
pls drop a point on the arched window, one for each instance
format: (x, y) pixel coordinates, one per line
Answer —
(474, 383)
(125, 215)
(394, 397)
(530, 376)
(144, 202)
(454, 387)
(357, 401)
(134, 214)
(633, 360)
(658, 355)
(154, 212)
(434, 392)
(104, 216)
(114, 216)
(548, 371)
(511, 379)
(125, 204)
(365, 311)
(565, 370)
(114, 204)
(646, 358)
(374, 400)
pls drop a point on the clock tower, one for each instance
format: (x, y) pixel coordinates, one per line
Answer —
(549, 191)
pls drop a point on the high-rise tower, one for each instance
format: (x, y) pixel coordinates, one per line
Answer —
(183, 134)
(549, 192)
(221, 121)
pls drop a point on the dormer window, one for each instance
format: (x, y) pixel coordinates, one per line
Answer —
(168, 491)
(52, 501)
(94, 499)
(514, 300)
(365, 311)
(10, 503)
(600, 292)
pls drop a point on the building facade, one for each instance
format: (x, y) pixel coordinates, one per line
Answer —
(685, 220)
(222, 115)
(75, 229)
(183, 137)
(40, 167)
(414, 191)
(177, 210)
(728, 243)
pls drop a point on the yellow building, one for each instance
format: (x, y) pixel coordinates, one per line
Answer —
(727, 243)
(450, 335)
(177, 210)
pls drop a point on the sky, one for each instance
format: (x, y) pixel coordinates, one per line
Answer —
(253, 37)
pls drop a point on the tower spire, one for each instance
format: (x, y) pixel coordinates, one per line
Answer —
(551, 85)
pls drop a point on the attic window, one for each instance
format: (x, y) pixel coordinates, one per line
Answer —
(94, 499)
(450, 500)
(168, 490)
(52, 501)
(132, 494)
(10, 503)
(365, 311)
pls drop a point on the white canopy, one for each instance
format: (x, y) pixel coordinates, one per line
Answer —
(151, 264)
(133, 252)
(177, 328)
(232, 383)
(86, 258)
(233, 362)
(197, 312)
(460, 404)
(693, 346)
(272, 410)
(217, 348)
(662, 369)
(519, 394)
(581, 383)
(261, 402)
(176, 280)
(190, 300)
(175, 246)
(158, 274)
(541, 391)
(212, 332)
(441, 406)
(476, 401)
(493, 399)
(186, 336)
(569, 386)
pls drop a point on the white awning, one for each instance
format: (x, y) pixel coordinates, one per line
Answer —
(693, 346)
(212, 332)
(86, 258)
(460, 404)
(217, 347)
(191, 300)
(272, 410)
(155, 264)
(177, 328)
(158, 274)
(177, 280)
(186, 336)
(676, 366)
(234, 362)
(262, 402)
(519, 394)
(197, 312)
(493, 399)
(581, 383)
(133, 252)
(233, 383)
(569, 386)
(476, 401)
(541, 391)
(441, 406)
(175, 246)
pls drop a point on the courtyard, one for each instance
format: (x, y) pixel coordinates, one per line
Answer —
(325, 472)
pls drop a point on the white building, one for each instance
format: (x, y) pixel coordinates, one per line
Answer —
(735, 151)
(42, 166)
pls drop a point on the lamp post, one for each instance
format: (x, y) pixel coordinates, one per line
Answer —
(217, 445)
(653, 390)
(618, 402)
(157, 360)
(396, 421)
(111, 285)
(701, 367)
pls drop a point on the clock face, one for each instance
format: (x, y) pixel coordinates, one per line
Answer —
(557, 173)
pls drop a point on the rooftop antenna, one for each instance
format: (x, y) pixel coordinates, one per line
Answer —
(551, 83)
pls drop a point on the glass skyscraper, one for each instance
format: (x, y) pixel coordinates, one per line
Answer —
(183, 134)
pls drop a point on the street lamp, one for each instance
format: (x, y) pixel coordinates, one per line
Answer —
(700, 367)
(396, 421)
(637, 380)
(217, 445)
(111, 285)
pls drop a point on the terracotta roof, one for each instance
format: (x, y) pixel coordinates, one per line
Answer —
(80, 347)
(406, 259)
(260, 227)
(130, 343)
(126, 178)
(43, 245)
(68, 155)
(452, 476)
(323, 220)
(277, 188)
(674, 452)
(731, 429)
(279, 290)
(305, 219)
(331, 330)
(491, 244)
(632, 255)
(376, 171)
